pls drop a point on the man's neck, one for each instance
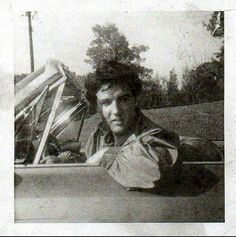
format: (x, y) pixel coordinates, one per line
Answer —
(120, 139)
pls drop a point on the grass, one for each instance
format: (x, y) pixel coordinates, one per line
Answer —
(202, 120)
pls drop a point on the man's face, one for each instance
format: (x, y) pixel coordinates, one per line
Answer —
(117, 106)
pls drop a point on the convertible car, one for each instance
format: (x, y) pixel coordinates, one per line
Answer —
(47, 103)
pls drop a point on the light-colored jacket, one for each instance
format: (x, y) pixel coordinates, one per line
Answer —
(143, 159)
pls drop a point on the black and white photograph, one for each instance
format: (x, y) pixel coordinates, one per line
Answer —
(120, 116)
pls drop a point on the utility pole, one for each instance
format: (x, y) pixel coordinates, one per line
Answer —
(28, 14)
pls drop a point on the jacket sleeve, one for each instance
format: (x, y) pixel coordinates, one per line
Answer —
(93, 144)
(142, 160)
(90, 147)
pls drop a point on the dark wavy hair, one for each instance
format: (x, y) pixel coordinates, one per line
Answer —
(112, 72)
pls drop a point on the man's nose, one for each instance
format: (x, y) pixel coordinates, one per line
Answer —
(115, 107)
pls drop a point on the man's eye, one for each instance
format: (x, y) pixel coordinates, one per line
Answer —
(105, 103)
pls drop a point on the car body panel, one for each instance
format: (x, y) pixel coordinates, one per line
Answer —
(82, 193)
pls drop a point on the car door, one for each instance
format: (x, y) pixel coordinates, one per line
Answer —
(86, 193)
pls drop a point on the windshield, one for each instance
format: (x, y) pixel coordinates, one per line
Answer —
(41, 116)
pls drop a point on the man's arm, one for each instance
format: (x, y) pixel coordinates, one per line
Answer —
(141, 161)
(98, 156)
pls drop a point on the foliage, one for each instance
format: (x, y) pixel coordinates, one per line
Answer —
(220, 55)
(201, 84)
(172, 88)
(216, 24)
(216, 27)
(152, 94)
(111, 44)
(204, 83)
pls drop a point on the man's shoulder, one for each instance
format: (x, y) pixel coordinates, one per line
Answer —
(100, 128)
(149, 131)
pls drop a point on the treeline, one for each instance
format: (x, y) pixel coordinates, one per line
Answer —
(205, 83)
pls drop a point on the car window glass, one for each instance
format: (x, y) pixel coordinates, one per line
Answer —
(33, 113)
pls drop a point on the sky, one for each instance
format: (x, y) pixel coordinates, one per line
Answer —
(175, 39)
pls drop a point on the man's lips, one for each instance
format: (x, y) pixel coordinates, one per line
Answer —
(117, 121)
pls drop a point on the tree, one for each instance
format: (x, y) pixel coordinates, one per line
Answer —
(172, 88)
(220, 55)
(172, 85)
(111, 44)
(163, 83)
(216, 24)
(216, 27)
(204, 83)
(187, 86)
(152, 95)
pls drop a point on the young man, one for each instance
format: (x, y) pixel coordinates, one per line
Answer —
(135, 151)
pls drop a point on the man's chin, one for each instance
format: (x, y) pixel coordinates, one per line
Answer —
(118, 130)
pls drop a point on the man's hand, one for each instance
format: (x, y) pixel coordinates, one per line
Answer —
(63, 158)
(49, 160)
(96, 158)
(71, 146)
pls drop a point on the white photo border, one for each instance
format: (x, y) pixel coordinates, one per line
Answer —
(7, 226)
